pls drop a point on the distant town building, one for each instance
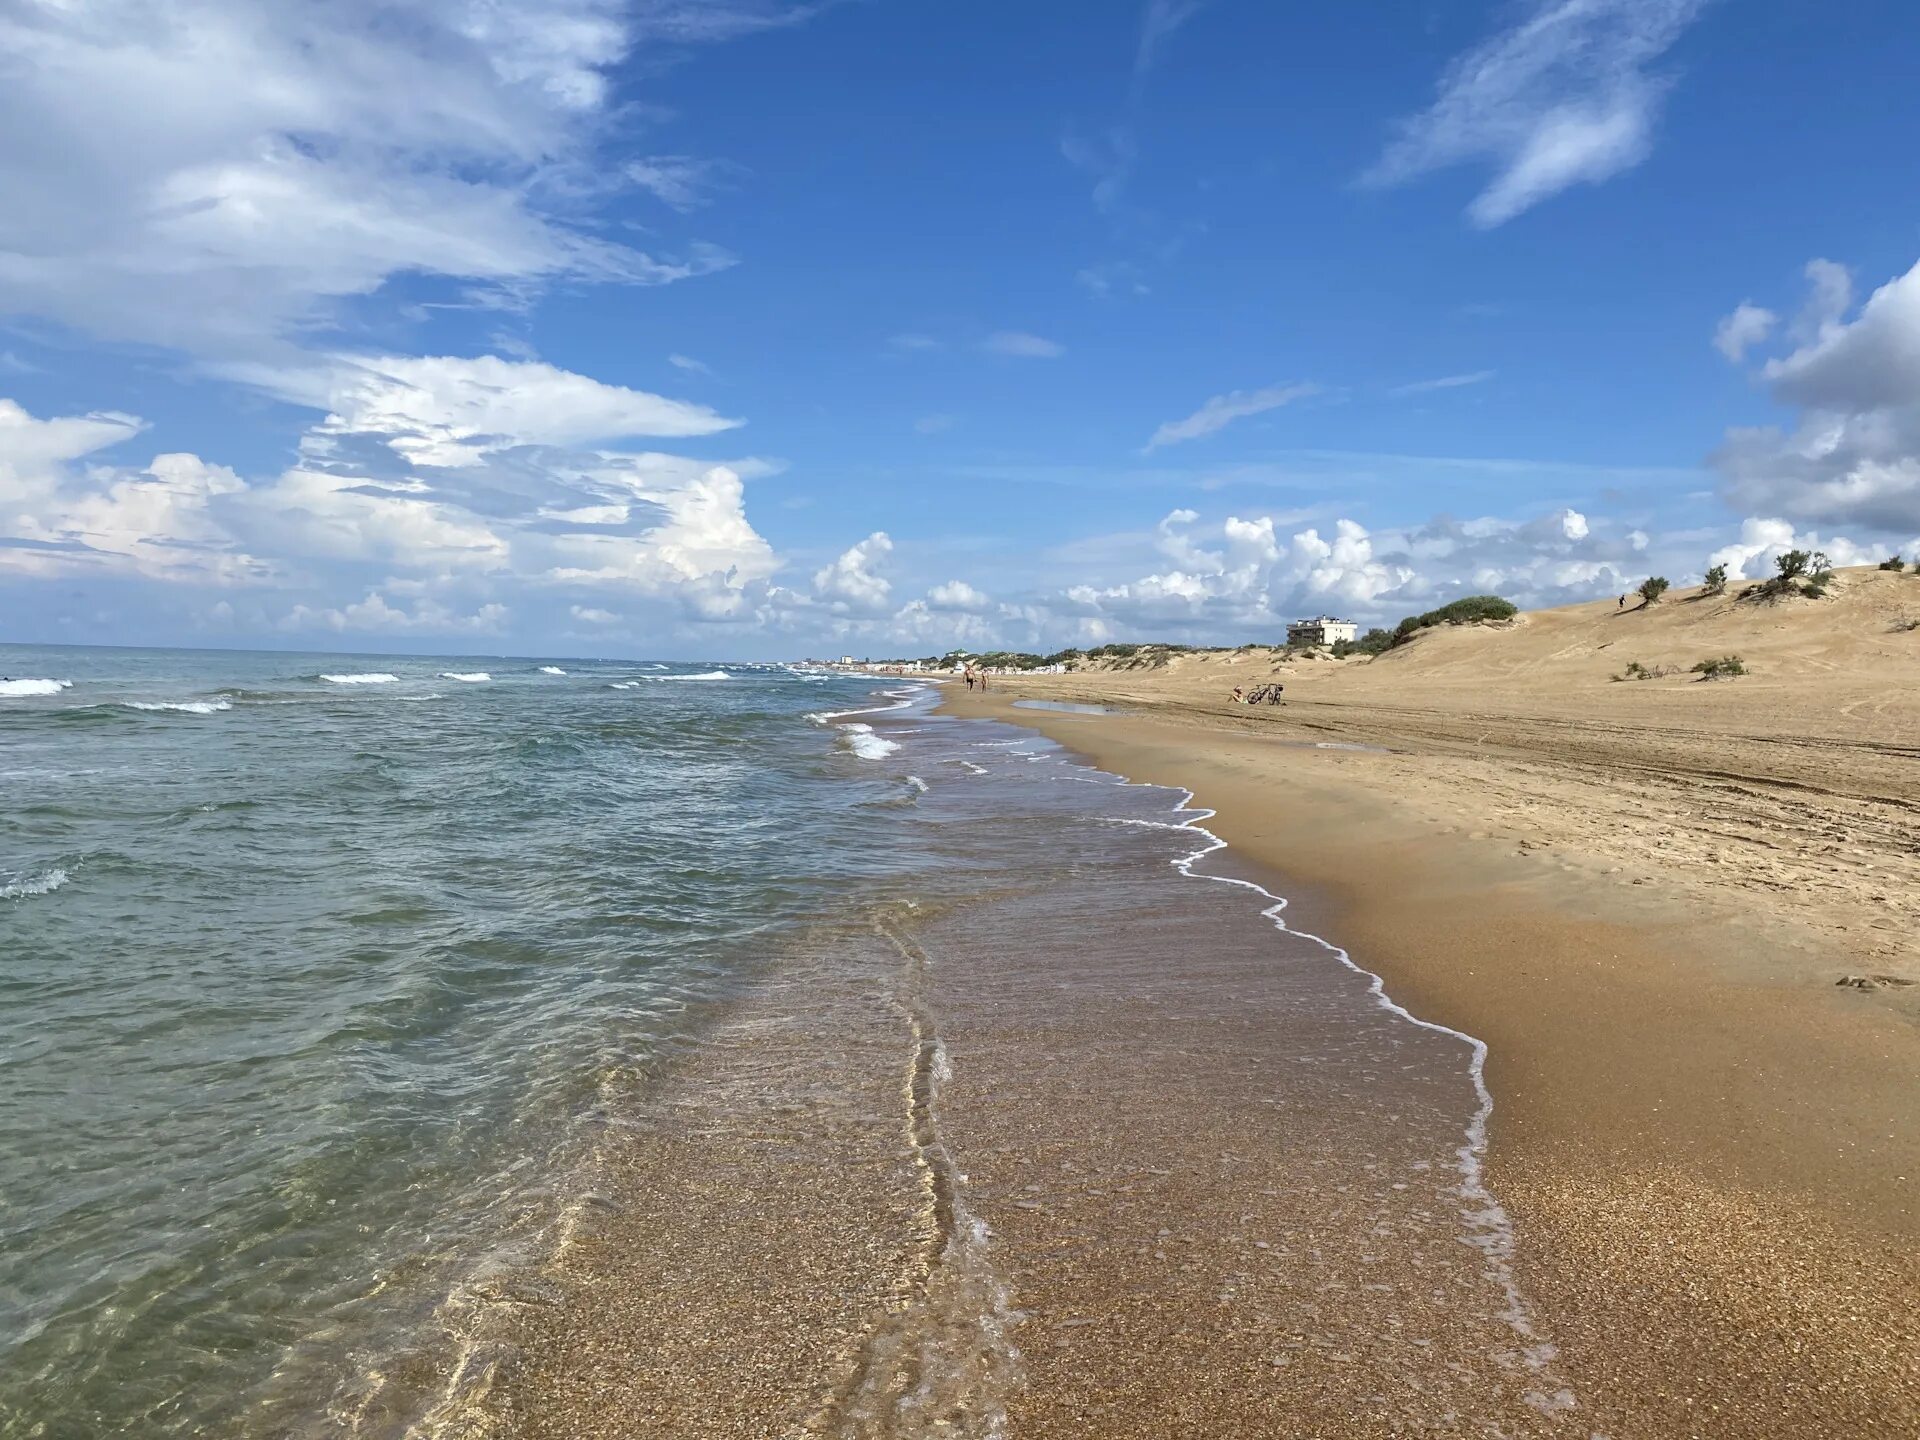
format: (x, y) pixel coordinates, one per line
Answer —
(846, 660)
(1322, 630)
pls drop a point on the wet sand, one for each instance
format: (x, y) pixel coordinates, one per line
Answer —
(1709, 1148)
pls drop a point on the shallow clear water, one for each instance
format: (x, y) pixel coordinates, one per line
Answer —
(303, 982)
(324, 979)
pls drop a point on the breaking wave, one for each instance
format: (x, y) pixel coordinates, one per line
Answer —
(466, 677)
(861, 740)
(185, 707)
(374, 677)
(708, 675)
(551, 670)
(36, 885)
(9, 689)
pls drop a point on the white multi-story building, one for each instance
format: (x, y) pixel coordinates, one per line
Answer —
(1322, 630)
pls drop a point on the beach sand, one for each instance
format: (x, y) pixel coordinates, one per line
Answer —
(1641, 896)
(1204, 1205)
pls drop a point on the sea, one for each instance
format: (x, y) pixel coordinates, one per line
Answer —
(324, 977)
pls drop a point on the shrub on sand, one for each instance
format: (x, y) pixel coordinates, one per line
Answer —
(1636, 671)
(1893, 563)
(1652, 588)
(1716, 580)
(1723, 668)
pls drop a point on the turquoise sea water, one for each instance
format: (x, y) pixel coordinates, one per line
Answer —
(305, 974)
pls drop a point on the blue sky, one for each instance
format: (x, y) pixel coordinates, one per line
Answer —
(746, 328)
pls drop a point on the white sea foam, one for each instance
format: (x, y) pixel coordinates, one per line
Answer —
(12, 689)
(551, 670)
(466, 677)
(708, 675)
(624, 685)
(861, 740)
(374, 677)
(185, 707)
(35, 885)
(918, 784)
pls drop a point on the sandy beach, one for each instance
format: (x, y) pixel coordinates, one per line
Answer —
(1055, 1140)
(1643, 896)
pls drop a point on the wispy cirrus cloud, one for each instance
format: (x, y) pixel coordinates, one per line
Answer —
(1442, 382)
(1567, 96)
(1222, 410)
(1157, 24)
(1022, 345)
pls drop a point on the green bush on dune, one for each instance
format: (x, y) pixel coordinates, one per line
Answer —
(1468, 610)
(1716, 580)
(1652, 588)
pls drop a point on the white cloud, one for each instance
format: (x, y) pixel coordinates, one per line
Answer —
(1157, 24)
(1222, 410)
(1746, 327)
(592, 615)
(681, 181)
(258, 165)
(1020, 344)
(374, 614)
(453, 472)
(1853, 457)
(689, 364)
(1563, 97)
(957, 595)
(850, 583)
(445, 410)
(1444, 382)
(1752, 555)
(1112, 277)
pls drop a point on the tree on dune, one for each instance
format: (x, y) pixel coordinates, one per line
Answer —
(1652, 588)
(1716, 579)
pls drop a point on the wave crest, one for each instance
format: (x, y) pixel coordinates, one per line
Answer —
(372, 677)
(10, 689)
(35, 885)
(186, 707)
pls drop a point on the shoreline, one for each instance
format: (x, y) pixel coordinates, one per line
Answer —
(1697, 1148)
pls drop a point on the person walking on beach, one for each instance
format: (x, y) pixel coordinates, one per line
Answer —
(1623, 602)
(969, 677)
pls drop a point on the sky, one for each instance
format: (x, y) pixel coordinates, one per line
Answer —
(764, 329)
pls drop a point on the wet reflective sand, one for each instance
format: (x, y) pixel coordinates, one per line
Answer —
(1048, 1138)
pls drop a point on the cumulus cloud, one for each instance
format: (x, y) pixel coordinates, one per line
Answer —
(1752, 555)
(1744, 328)
(436, 472)
(375, 614)
(259, 165)
(1222, 410)
(1853, 457)
(58, 518)
(850, 584)
(1565, 96)
(957, 595)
